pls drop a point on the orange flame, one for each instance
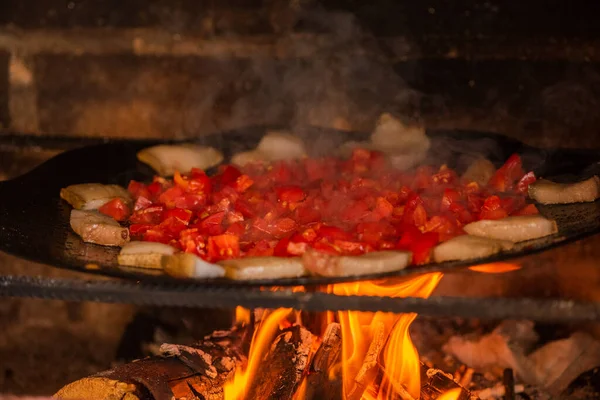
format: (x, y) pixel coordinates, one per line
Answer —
(370, 341)
(242, 315)
(261, 341)
(495, 268)
(452, 394)
(400, 358)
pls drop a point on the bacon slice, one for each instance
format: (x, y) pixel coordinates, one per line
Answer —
(548, 192)
(405, 146)
(166, 159)
(92, 196)
(319, 263)
(144, 254)
(96, 228)
(466, 247)
(186, 265)
(253, 268)
(273, 146)
(513, 229)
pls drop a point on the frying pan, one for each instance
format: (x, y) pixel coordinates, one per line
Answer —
(34, 221)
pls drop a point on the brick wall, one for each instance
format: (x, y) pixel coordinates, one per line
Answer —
(163, 70)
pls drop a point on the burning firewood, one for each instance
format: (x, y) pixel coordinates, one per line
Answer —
(284, 365)
(181, 371)
(319, 385)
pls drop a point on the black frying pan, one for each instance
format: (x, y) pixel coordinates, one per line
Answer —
(34, 221)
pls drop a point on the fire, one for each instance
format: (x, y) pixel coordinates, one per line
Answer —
(452, 394)
(495, 268)
(371, 342)
(261, 341)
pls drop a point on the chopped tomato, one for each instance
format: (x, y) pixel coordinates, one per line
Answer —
(179, 213)
(329, 204)
(492, 209)
(117, 208)
(223, 247)
(529, 209)
(150, 215)
(212, 224)
(383, 208)
(261, 249)
(156, 235)
(139, 229)
(450, 196)
(333, 233)
(141, 203)
(138, 189)
(281, 248)
(506, 176)
(290, 194)
(526, 180)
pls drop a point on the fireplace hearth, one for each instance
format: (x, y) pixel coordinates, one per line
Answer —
(78, 72)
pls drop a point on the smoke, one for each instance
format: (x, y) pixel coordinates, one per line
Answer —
(334, 76)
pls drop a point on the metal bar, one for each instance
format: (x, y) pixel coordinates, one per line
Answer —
(550, 310)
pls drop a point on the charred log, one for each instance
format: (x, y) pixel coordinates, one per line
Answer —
(287, 362)
(321, 384)
(180, 371)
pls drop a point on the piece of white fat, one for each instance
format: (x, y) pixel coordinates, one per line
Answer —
(514, 229)
(97, 228)
(186, 265)
(466, 247)
(253, 268)
(376, 262)
(405, 146)
(281, 146)
(92, 196)
(247, 157)
(548, 192)
(480, 171)
(393, 136)
(166, 159)
(144, 254)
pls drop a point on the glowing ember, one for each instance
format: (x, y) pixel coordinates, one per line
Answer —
(495, 268)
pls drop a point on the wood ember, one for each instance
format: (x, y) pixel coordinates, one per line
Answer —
(370, 367)
(287, 361)
(318, 382)
(191, 372)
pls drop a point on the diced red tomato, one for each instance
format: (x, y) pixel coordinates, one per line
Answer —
(492, 209)
(331, 205)
(506, 176)
(223, 247)
(529, 209)
(212, 224)
(281, 248)
(150, 215)
(136, 230)
(290, 194)
(141, 203)
(117, 208)
(450, 196)
(137, 189)
(526, 180)
(261, 249)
